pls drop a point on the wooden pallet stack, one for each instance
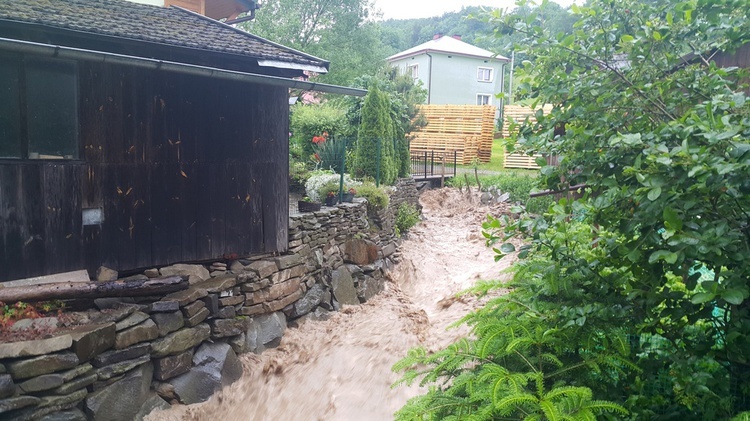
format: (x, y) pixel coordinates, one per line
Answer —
(466, 129)
(518, 114)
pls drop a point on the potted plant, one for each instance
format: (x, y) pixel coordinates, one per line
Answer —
(331, 198)
(307, 205)
(348, 196)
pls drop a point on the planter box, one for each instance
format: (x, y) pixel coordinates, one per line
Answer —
(303, 206)
(330, 201)
(347, 197)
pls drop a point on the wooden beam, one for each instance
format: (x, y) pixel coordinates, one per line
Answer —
(70, 290)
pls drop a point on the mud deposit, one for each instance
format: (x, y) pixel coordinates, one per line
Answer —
(340, 369)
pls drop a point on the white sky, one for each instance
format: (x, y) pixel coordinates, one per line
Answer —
(409, 9)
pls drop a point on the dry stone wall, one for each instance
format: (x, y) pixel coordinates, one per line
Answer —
(183, 347)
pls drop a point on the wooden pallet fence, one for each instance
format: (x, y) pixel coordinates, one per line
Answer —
(518, 114)
(466, 129)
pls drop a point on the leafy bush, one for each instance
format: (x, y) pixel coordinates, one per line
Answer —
(518, 186)
(406, 217)
(545, 350)
(377, 198)
(298, 175)
(323, 181)
(662, 145)
(309, 121)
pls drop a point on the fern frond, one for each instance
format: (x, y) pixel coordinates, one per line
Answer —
(512, 403)
(599, 407)
(583, 393)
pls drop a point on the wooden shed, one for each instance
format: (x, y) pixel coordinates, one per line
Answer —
(134, 136)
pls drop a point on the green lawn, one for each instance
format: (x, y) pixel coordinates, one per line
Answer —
(496, 162)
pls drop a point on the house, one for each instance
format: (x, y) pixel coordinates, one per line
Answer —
(454, 72)
(135, 136)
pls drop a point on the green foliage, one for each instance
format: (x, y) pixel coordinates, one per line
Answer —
(406, 217)
(375, 155)
(377, 198)
(321, 182)
(336, 30)
(298, 175)
(309, 121)
(529, 357)
(624, 272)
(518, 186)
(403, 97)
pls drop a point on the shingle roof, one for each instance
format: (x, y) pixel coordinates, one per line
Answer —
(448, 45)
(167, 26)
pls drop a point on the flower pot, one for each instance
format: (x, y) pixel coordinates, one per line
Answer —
(347, 197)
(303, 206)
(330, 200)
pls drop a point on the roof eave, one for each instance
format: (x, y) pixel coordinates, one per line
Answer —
(430, 50)
(324, 63)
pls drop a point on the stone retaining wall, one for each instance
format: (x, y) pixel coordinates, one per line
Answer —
(123, 358)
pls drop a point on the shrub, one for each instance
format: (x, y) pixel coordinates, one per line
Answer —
(518, 187)
(406, 217)
(308, 121)
(298, 175)
(321, 181)
(377, 198)
(376, 133)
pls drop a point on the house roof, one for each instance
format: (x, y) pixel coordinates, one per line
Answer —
(171, 26)
(448, 45)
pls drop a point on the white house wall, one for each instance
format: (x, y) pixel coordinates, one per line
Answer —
(454, 78)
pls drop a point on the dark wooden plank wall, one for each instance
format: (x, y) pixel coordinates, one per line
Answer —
(184, 168)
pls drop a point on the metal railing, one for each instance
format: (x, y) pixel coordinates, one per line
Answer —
(433, 164)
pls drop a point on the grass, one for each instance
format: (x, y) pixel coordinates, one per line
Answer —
(496, 161)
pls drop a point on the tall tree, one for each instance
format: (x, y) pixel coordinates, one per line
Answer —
(335, 30)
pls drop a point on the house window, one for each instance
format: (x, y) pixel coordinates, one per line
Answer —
(484, 74)
(413, 70)
(38, 108)
(484, 99)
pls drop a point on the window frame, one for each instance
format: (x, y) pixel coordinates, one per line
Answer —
(490, 74)
(68, 69)
(488, 96)
(413, 70)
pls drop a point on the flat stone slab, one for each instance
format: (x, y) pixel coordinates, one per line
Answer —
(143, 332)
(196, 273)
(218, 284)
(180, 341)
(165, 306)
(172, 366)
(132, 320)
(43, 382)
(45, 364)
(76, 384)
(199, 317)
(186, 296)
(262, 268)
(116, 356)
(91, 340)
(168, 322)
(343, 286)
(110, 371)
(35, 347)
(11, 404)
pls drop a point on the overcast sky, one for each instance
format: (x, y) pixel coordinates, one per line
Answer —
(408, 9)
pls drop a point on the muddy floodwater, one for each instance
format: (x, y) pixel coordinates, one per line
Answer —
(340, 369)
